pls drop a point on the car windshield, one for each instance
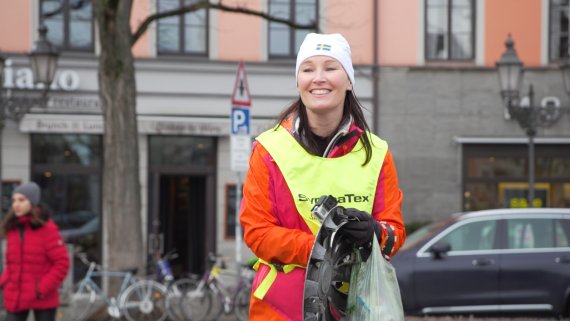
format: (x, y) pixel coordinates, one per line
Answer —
(424, 232)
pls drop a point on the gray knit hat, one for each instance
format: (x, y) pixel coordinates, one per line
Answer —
(31, 191)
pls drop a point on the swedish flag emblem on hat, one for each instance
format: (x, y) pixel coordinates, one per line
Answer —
(323, 47)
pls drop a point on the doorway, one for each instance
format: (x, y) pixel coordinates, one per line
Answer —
(182, 200)
(182, 209)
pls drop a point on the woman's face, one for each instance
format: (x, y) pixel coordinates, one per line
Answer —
(20, 204)
(322, 84)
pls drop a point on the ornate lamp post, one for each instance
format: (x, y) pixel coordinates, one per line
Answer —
(43, 60)
(529, 116)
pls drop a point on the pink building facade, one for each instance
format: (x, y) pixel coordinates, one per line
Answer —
(425, 72)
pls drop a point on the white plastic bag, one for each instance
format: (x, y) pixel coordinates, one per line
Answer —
(374, 294)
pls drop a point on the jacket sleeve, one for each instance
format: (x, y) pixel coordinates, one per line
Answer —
(6, 272)
(387, 208)
(56, 252)
(262, 231)
(3, 278)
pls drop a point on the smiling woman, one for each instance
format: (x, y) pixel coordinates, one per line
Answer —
(323, 132)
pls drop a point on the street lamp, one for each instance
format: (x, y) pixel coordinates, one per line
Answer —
(526, 113)
(43, 60)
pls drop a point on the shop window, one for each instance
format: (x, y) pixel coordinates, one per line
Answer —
(559, 30)
(8, 187)
(68, 170)
(515, 195)
(493, 166)
(69, 23)
(284, 41)
(182, 150)
(83, 150)
(182, 34)
(449, 29)
(496, 176)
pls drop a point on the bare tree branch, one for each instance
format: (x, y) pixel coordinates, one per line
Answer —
(218, 6)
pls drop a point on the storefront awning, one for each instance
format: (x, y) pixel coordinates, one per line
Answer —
(150, 125)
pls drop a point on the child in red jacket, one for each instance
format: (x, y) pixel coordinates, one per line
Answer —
(36, 258)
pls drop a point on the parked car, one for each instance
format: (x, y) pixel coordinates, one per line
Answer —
(489, 262)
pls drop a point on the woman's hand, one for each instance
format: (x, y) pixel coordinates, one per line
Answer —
(360, 227)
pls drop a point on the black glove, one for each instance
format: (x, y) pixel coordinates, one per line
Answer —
(360, 227)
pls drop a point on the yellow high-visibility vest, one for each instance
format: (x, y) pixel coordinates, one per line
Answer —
(309, 177)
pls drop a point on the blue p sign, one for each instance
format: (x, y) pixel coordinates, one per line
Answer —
(240, 121)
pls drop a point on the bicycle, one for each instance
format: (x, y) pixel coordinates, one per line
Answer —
(226, 297)
(136, 300)
(177, 288)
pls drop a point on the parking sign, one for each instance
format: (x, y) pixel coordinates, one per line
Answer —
(240, 121)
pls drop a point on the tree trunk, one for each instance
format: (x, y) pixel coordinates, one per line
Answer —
(122, 222)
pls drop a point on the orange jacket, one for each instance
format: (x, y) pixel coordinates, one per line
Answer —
(277, 233)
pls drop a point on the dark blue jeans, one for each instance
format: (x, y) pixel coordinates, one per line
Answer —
(39, 315)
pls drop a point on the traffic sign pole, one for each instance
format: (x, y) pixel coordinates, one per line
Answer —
(240, 145)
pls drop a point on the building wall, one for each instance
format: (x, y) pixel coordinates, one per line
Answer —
(16, 26)
(399, 33)
(239, 31)
(425, 109)
(143, 48)
(524, 27)
(424, 106)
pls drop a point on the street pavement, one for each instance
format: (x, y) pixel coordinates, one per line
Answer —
(101, 315)
(63, 311)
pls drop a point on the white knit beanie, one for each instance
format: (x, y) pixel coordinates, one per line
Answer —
(333, 45)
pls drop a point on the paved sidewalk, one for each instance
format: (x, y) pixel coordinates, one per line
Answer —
(63, 315)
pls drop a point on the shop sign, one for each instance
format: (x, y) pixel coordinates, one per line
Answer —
(515, 195)
(23, 78)
(62, 126)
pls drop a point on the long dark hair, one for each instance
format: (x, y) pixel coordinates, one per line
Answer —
(38, 214)
(352, 107)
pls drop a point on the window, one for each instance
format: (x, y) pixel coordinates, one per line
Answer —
(230, 225)
(69, 23)
(182, 34)
(559, 10)
(449, 29)
(182, 150)
(68, 170)
(562, 230)
(537, 233)
(496, 176)
(284, 41)
(472, 236)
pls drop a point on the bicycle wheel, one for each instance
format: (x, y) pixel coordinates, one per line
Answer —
(194, 304)
(175, 298)
(144, 300)
(82, 301)
(241, 304)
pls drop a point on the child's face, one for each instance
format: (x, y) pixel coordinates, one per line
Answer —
(21, 205)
